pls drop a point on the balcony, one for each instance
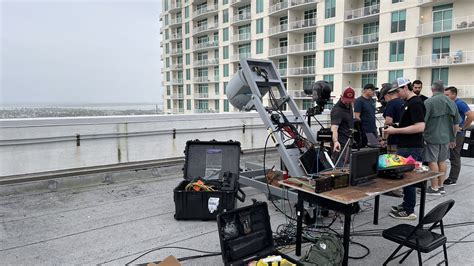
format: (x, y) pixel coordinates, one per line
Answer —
(278, 8)
(240, 19)
(207, 10)
(177, 110)
(243, 37)
(201, 95)
(303, 3)
(362, 15)
(176, 37)
(176, 51)
(176, 66)
(239, 3)
(362, 41)
(278, 52)
(304, 48)
(298, 94)
(282, 72)
(206, 79)
(448, 59)
(278, 30)
(205, 28)
(368, 66)
(305, 25)
(465, 91)
(455, 25)
(177, 81)
(426, 3)
(206, 62)
(237, 57)
(205, 45)
(202, 111)
(177, 96)
(175, 7)
(301, 71)
(176, 22)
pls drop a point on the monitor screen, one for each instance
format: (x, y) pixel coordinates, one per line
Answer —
(364, 166)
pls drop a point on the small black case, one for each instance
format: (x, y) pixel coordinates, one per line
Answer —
(245, 235)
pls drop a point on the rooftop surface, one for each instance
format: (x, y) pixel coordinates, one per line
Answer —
(88, 221)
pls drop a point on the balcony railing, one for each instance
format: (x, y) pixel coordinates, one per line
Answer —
(201, 95)
(360, 66)
(174, 6)
(176, 66)
(300, 71)
(240, 2)
(176, 36)
(176, 51)
(205, 45)
(176, 96)
(204, 10)
(282, 72)
(278, 29)
(200, 111)
(301, 24)
(177, 110)
(279, 6)
(206, 79)
(445, 59)
(241, 17)
(303, 47)
(465, 91)
(237, 57)
(447, 25)
(279, 51)
(361, 39)
(206, 27)
(301, 2)
(241, 37)
(175, 21)
(362, 12)
(177, 81)
(206, 62)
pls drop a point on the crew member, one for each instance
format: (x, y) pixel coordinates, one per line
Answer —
(364, 109)
(342, 122)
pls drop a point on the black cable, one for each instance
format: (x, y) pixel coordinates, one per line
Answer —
(362, 246)
(171, 247)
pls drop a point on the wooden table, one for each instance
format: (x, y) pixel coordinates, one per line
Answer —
(345, 200)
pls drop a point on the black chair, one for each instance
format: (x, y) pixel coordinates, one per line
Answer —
(420, 239)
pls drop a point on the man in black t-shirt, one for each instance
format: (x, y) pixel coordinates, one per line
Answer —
(417, 87)
(364, 109)
(342, 122)
(410, 141)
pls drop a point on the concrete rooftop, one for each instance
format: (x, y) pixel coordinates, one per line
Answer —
(87, 221)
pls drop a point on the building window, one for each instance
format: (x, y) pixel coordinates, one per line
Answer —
(394, 74)
(310, 14)
(186, 11)
(168, 103)
(188, 104)
(328, 58)
(283, 42)
(225, 16)
(188, 89)
(441, 47)
(442, 18)
(329, 31)
(216, 105)
(167, 62)
(168, 90)
(370, 54)
(216, 86)
(225, 52)
(330, 9)
(188, 74)
(309, 60)
(225, 87)
(330, 80)
(398, 21)
(259, 46)
(226, 70)
(369, 78)
(259, 6)
(260, 25)
(307, 81)
(440, 74)
(186, 41)
(225, 2)
(396, 1)
(225, 34)
(307, 104)
(188, 59)
(186, 28)
(397, 51)
(226, 105)
(282, 63)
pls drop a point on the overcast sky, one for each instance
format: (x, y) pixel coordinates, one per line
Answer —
(80, 51)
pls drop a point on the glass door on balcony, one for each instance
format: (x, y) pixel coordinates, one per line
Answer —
(441, 47)
(203, 39)
(440, 74)
(243, 10)
(368, 56)
(202, 56)
(244, 49)
(309, 41)
(442, 17)
(369, 78)
(370, 32)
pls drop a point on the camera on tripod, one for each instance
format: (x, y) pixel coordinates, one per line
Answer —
(320, 92)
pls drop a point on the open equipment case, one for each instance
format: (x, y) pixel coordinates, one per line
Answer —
(218, 164)
(245, 235)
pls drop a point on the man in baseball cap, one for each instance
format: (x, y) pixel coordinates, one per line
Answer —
(364, 109)
(342, 121)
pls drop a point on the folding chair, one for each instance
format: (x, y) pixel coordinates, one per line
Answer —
(420, 239)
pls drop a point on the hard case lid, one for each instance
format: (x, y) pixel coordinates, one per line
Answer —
(211, 159)
(245, 233)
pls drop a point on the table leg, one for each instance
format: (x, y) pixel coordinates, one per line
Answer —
(422, 200)
(347, 233)
(299, 224)
(376, 209)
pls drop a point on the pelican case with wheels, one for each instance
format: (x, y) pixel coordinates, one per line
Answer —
(216, 165)
(245, 236)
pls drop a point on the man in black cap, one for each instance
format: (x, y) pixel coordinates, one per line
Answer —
(364, 109)
(392, 113)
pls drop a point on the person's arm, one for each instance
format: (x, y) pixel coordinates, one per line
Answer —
(357, 108)
(388, 121)
(469, 118)
(335, 138)
(416, 128)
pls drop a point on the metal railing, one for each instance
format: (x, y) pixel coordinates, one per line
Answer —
(206, 79)
(278, 51)
(279, 6)
(300, 71)
(242, 2)
(302, 2)
(237, 57)
(444, 59)
(175, 66)
(301, 24)
(176, 51)
(205, 45)
(454, 24)
(241, 37)
(278, 29)
(176, 81)
(175, 21)
(465, 91)
(206, 27)
(176, 37)
(362, 12)
(361, 39)
(303, 47)
(204, 10)
(206, 62)
(175, 96)
(241, 17)
(174, 6)
(360, 66)
(282, 72)
(201, 95)
(178, 110)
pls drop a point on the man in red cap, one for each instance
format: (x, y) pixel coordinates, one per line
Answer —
(342, 121)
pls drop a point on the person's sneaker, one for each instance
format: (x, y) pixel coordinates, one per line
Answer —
(432, 192)
(402, 215)
(442, 191)
(449, 182)
(397, 208)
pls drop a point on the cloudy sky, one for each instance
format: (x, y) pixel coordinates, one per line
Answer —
(80, 51)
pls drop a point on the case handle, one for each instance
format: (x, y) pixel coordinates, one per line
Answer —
(241, 198)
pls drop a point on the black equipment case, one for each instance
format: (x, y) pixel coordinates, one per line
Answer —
(395, 172)
(246, 235)
(218, 164)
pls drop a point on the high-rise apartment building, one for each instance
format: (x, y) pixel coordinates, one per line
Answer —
(345, 42)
